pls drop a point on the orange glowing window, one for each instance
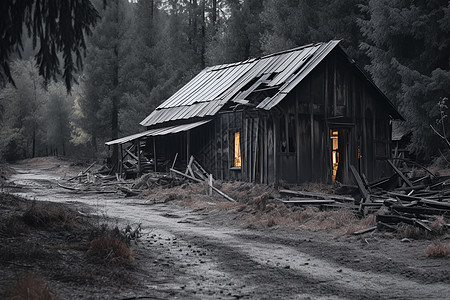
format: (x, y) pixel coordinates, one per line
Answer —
(237, 150)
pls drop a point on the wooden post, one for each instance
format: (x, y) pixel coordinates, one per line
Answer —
(139, 167)
(266, 152)
(188, 145)
(154, 153)
(262, 151)
(312, 141)
(210, 184)
(275, 152)
(334, 89)
(120, 160)
(245, 153)
(297, 137)
(221, 147)
(255, 149)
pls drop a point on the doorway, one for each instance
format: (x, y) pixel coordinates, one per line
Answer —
(339, 155)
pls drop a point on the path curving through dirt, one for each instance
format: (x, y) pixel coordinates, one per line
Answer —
(186, 254)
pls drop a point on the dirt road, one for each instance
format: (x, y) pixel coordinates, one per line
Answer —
(188, 254)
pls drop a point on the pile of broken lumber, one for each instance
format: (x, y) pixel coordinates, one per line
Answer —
(417, 201)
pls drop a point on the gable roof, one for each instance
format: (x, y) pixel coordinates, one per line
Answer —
(213, 87)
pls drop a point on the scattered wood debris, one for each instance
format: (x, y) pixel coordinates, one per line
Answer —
(417, 201)
(89, 181)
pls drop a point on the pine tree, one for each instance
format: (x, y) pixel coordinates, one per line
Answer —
(408, 44)
(55, 26)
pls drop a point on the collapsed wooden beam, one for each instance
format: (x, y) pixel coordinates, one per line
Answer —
(400, 173)
(360, 184)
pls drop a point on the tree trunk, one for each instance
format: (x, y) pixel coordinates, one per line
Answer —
(203, 47)
(214, 13)
(115, 95)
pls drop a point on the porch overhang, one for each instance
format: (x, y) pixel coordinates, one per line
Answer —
(157, 132)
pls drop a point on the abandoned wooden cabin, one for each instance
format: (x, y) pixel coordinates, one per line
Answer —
(301, 115)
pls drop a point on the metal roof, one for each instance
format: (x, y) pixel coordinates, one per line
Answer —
(215, 86)
(157, 131)
(208, 92)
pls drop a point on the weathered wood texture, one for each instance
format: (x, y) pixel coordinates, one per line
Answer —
(291, 142)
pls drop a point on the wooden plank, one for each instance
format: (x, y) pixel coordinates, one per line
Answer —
(188, 145)
(184, 175)
(245, 154)
(400, 173)
(188, 167)
(312, 139)
(255, 149)
(221, 193)
(393, 219)
(365, 230)
(154, 153)
(83, 172)
(301, 201)
(210, 178)
(419, 210)
(297, 139)
(360, 184)
(174, 160)
(120, 161)
(275, 152)
(266, 152)
(139, 164)
(317, 195)
(131, 154)
(262, 150)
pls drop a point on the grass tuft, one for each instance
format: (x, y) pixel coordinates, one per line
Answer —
(110, 249)
(49, 215)
(438, 249)
(30, 287)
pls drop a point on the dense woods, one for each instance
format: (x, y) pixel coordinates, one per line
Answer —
(141, 52)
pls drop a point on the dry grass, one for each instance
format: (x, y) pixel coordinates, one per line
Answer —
(14, 226)
(27, 251)
(109, 249)
(438, 225)
(410, 232)
(49, 215)
(438, 249)
(30, 287)
(255, 206)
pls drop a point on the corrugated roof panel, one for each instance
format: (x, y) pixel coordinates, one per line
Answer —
(213, 87)
(157, 132)
(310, 64)
(180, 94)
(293, 66)
(283, 61)
(190, 89)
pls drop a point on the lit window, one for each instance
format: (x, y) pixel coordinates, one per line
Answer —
(237, 150)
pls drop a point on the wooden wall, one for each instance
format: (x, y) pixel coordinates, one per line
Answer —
(292, 141)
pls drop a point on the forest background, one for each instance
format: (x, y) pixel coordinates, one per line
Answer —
(141, 52)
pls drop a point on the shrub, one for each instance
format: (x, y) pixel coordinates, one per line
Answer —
(438, 249)
(46, 215)
(410, 232)
(30, 287)
(110, 249)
